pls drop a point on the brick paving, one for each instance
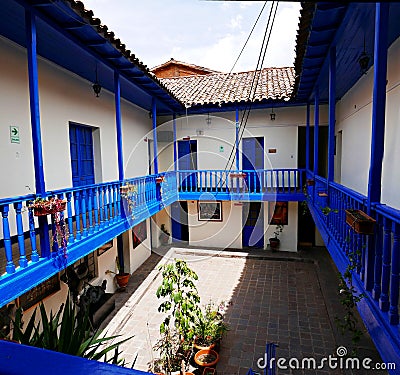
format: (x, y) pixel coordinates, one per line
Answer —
(271, 298)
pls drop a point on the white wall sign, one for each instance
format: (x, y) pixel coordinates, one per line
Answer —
(14, 134)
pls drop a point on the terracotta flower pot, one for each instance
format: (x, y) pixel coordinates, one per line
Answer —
(274, 243)
(206, 358)
(122, 279)
(199, 346)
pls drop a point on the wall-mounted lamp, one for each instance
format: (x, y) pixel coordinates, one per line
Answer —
(363, 60)
(272, 114)
(96, 86)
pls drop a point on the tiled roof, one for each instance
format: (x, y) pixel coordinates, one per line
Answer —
(103, 31)
(273, 84)
(181, 63)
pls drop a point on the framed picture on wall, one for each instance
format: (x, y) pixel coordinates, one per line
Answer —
(278, 213)
(210, 211)
(102, 249)
(139, 234)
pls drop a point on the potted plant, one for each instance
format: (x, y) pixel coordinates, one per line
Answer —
(164, 235)
(129, 193)
(360, 222)
(209, 328)
(43, 207)
(274, 242)
(121, 277)
(206, 358)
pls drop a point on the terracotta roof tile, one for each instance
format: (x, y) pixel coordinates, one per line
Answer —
(225, 88)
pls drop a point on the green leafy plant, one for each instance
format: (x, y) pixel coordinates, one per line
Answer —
(67, 332)
(349, 298)
(278, 230)
(209, 326)
(180, 296)
(327, 210)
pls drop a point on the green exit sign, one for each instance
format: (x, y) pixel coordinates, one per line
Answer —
(14, 134)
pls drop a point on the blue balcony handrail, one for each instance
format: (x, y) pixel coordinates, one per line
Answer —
(376, 255)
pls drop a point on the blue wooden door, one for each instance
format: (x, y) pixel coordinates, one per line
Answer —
(253, 228)
(187, 160)
(179, 220)
(82, 160)
(253, 159)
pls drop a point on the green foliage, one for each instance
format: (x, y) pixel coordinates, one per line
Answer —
(327, 210)
(209, 325)
(349, 299)
(278, 230)
(67, 332)
(180, 297)
(168, 346)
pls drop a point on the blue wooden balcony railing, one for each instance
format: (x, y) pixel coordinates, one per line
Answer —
(377, 257)
(276, 184)
(94, 215)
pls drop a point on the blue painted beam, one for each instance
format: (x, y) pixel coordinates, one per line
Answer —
(378, 103)
(30, 22)
(155, 146)
(175, 143)
(237, 137)
(40, 186)
(316, 130)
(13, 359)
(308, 137)
(118, 123)
(378, 128)
(332, 117)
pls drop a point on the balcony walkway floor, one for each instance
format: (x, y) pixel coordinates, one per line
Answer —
(287, 298)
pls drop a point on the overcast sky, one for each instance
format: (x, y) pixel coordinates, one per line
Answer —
(205, 33)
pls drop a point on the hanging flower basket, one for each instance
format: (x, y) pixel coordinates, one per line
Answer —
(237, 175)
(360, 222)
(310, 182)
(42, 207)
(159, 179)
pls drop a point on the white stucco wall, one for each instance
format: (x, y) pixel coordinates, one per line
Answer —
(225, 233)
(64, 97)
(354, 119)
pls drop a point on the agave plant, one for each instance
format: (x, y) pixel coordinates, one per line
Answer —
(67, 331)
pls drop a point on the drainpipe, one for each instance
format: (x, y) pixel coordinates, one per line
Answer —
(175, 151)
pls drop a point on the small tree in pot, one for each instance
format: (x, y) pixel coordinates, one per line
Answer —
(274, 242)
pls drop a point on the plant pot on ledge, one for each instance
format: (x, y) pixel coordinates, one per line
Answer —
(206, 358)
(122, 279)
(274, 243)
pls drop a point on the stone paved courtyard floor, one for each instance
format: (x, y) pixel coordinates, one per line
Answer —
(282, 299)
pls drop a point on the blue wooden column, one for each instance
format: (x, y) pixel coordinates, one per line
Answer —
(332, 117)
(175, 144)
(378, 103)
(155, 147)
(316, 130)
(40, 186)
(237, 138)
(308, 137)
(378, 128)
(118, 123)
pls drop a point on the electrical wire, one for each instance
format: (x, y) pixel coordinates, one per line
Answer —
(253, 88)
